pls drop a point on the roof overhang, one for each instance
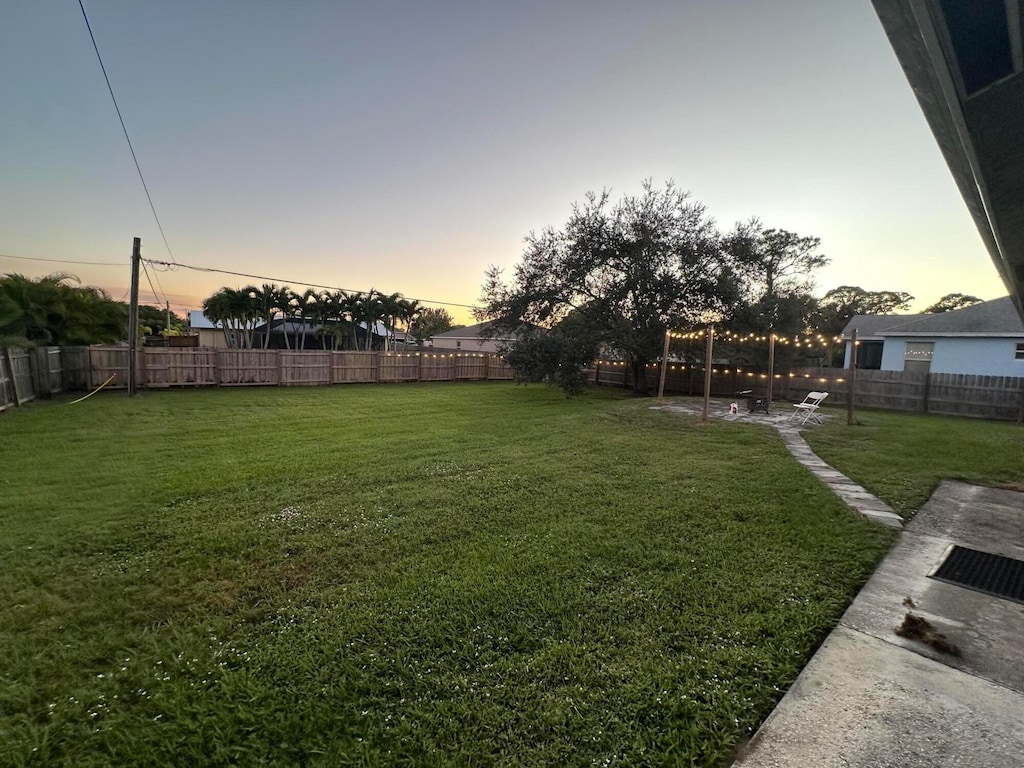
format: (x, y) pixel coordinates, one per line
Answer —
(980, 134)
(952, 335)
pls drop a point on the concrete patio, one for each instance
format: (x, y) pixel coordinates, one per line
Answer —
(871, 699)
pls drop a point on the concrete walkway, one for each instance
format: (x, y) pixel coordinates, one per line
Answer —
(871, 699)
(855, 497)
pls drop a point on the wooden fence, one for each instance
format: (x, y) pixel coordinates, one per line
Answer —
(988, 397)
(28, 373)
(89, 367)
(43, 371)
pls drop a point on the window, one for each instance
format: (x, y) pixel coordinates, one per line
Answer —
(1019, 355)
(917, 356)
(919, 350)
(980, 34)
(869, 355)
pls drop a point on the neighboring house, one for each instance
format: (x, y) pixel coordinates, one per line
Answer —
(984, 339)
(210, 334)
(473, 338)
(315, 338)
(869, 338)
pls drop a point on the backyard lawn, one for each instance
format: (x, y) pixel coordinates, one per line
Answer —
(467, 574)
(902, 457)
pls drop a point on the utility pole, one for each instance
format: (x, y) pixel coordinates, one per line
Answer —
(167, 304)
(133, 319)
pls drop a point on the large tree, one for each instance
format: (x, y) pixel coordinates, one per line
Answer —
(777, 270)
(154, 321)
(430, 322)
(840, 304)
(627, 271)
(952, 301)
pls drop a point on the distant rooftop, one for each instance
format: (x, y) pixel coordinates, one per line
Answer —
(989, 318)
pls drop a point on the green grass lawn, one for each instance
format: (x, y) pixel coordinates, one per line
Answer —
(902, 457)
(465, 574)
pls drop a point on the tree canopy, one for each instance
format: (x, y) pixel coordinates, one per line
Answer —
(953, 301)
(432, 321)
(154, 321)
(840, 304)
(336, 315)
(56, 310)
(626, 272)
(776, 269)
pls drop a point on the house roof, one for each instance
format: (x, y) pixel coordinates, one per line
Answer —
(870, 326)
(478, 331)
(989, 318)
(197, 320)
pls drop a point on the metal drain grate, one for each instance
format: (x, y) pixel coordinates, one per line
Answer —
(983, 572)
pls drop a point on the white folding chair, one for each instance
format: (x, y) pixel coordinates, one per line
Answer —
(807, 411)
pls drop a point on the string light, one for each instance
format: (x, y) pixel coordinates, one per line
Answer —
(745, 338)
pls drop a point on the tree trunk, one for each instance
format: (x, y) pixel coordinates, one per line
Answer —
(640, 378)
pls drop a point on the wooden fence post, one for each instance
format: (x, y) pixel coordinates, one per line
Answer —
(14, 381)
(141, 378)
(1020, 410)
(851, 378)
(664, 367)
(39, 369)
(707, 371)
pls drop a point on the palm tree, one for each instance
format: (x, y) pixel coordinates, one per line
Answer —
(217, 309)
(247, 311)
(411, 310)
(266, 302)
(371, 311)
(283, 303)
(90, 316)
(305, 306)
(31, 306)
(237, 311)
(49, 310)
(350, 308)
(331, 311)
(391, 307)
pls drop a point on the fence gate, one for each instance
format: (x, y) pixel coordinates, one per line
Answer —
(18, 376)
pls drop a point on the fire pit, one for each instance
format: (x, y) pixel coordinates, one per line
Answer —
(754, 402)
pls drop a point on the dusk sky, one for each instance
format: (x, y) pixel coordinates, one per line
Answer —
(406, 146)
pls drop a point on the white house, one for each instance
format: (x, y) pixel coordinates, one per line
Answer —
(473, 338)
(984, 339)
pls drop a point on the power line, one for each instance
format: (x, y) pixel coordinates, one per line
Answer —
(151, 287)
(297, 282)
(125, 129)
(65, 261)
(157, 276)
